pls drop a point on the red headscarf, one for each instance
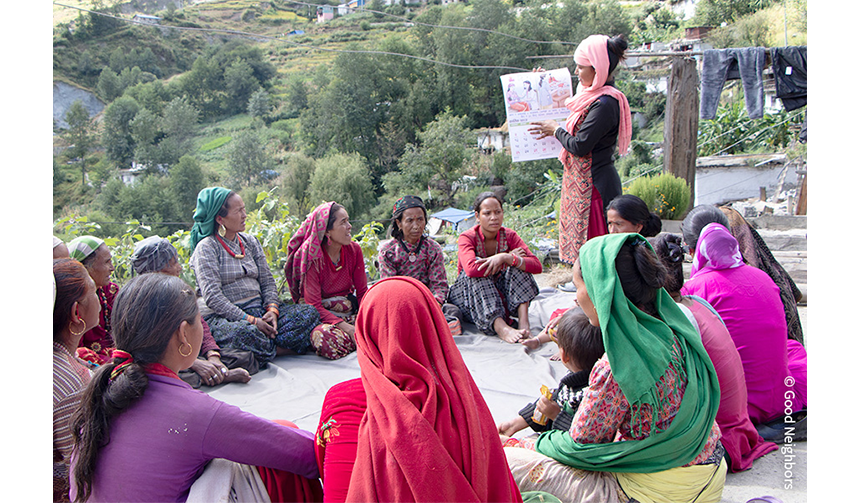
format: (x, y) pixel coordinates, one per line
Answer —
(427, 434)
(305, 247)
(594, 52)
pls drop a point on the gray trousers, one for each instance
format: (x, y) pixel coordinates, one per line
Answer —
(719, 65)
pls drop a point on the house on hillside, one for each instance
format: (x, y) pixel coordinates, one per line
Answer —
(325, 13)
(146, 19)
(491, 140)
(349, 7)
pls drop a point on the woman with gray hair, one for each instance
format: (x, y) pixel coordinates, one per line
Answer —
(157, 255)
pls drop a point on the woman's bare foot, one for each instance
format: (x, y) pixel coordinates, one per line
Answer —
(556, 357)
(237, 375)
(509, 334)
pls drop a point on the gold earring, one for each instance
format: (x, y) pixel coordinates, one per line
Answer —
(222, 231)
(77, 333)
(185, 355)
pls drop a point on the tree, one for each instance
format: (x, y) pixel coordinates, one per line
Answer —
(118, 60)
(343, 178)
(186, 180)
(248, 158)
(80, 134)
(297, 178)
(259, 104)
(179, 120)
(441, 158)
(145, 135)
(116, 133)
(240, 83)
(297, 96)
(109, 86)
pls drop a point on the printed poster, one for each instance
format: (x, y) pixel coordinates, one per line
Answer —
(532, 97)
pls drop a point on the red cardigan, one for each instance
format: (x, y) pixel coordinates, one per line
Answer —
(467, 252)
(322, 281)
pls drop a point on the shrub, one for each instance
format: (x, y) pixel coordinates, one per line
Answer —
(666, 194)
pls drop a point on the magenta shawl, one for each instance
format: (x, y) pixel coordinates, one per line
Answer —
(716, 250)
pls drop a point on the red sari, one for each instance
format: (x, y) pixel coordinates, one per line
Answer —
(427, 434)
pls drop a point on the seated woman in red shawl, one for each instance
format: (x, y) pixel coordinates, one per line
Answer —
(96, 345)
(325, 269)
(426, 432)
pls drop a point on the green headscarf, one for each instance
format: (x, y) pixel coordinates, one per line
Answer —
(84, 246)
(639, 350)
(209, 202)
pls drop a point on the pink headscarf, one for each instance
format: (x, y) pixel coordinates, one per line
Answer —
(305, 247)
(716, 250)
(594, 52)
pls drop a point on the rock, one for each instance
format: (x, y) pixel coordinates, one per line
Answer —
(66, 94)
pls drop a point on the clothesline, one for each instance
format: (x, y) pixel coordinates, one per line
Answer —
(629, 54)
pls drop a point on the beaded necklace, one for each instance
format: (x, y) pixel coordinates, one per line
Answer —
(238, 256)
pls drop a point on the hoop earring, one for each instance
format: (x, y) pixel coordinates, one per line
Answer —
(77, 333)
(185, 355)
(222, 231)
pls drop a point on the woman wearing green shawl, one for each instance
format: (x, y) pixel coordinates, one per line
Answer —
(645, 429)
(237, 294)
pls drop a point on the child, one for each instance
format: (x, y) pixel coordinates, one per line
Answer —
(580, 345)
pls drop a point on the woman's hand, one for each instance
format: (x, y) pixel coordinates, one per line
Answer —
(537, 70)
(543, 129)
(215, 359)
(272, 319)
(349, 329)
(508, 428)
(264, 327)
(548, 408)
(494, 264)
(209, 373)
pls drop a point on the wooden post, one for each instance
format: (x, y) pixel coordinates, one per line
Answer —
(801, 200)
(681, 126)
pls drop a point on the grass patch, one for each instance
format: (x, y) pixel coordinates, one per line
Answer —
(217, 142)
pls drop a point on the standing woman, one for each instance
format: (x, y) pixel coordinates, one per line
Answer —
(325, 269)
(76, 310)
(239, 296)
(496, 274)
(599, 120)
(96, 345)
(143, 434)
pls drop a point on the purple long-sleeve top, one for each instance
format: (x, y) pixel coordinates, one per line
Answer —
(162, 443)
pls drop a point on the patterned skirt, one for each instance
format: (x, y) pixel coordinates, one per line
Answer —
(295, 323)
(482, 300)
(327, 339)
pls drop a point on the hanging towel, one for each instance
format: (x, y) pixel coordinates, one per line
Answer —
(789, 74)
(719, 65)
